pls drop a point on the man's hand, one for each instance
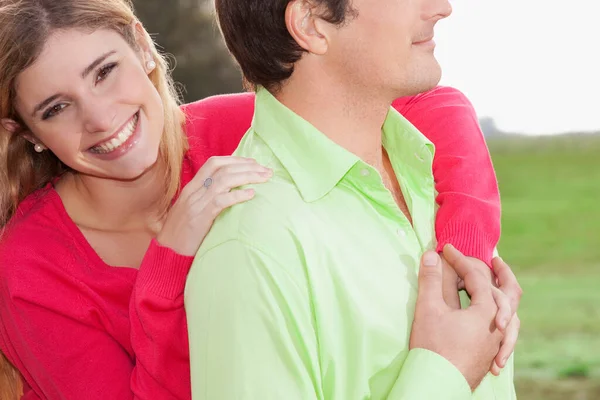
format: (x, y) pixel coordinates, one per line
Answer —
(467, 338)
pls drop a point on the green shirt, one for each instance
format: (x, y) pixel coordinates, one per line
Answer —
(308, 291)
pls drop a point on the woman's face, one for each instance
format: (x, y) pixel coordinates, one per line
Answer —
(89, 100)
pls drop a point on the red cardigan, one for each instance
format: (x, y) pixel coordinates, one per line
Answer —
(78, 328)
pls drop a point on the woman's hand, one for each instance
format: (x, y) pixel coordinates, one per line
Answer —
(506, 292)
(205, 196)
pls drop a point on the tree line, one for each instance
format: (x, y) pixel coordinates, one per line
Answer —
(186, 30)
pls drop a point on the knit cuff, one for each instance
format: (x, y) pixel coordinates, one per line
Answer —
(163, 271)
(470, 240)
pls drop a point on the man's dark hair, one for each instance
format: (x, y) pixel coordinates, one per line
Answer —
(256, 34)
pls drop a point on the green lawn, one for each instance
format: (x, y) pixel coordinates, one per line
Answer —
(551, 236)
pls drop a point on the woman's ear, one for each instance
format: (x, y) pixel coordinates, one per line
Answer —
(145, 46)
(13, 127)
(10, 125)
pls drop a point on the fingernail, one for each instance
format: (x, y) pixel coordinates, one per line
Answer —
(504, 323)
(430, 259)
(504, 360)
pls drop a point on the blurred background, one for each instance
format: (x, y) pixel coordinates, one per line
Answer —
(531, 70)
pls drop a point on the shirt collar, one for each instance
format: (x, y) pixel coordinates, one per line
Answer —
(315, 163)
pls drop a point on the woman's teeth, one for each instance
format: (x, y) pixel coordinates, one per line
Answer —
(118, 141)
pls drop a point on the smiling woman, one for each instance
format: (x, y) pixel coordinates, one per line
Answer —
(92, 122)
(56, 110)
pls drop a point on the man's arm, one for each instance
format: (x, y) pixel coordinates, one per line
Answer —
(252, 335)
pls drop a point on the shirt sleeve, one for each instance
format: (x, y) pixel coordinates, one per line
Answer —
(427, 375)
(158, 326)
(252, 335)
(468, 194)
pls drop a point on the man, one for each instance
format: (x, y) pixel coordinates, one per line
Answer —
(309, 290)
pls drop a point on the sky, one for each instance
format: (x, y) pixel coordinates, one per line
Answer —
(531, 65)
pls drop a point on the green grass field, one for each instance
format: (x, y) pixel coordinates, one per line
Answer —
(551, 237)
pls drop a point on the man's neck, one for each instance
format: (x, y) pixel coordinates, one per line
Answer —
(350, 117)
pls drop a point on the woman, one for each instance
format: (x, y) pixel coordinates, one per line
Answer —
(105, 198)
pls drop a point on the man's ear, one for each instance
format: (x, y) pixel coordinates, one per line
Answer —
(307, 28)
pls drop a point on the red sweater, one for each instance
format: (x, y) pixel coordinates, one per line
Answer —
(78, 328)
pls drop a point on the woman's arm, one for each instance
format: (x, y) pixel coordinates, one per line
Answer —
(159, 335)
(468, 195)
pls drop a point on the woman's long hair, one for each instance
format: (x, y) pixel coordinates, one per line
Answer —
(11, 387)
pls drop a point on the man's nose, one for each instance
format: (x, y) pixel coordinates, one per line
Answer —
(438, 9)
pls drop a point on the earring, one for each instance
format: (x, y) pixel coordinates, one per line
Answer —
(39, 148)
(150, 65)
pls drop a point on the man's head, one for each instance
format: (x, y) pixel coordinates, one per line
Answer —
(377, 44)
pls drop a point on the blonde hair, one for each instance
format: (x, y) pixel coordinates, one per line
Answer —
(24, 27)
(11, 387)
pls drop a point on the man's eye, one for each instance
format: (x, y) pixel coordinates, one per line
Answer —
(54, 110)
(105, 71)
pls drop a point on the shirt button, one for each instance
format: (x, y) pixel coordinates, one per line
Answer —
(365, 172)
(401, 233)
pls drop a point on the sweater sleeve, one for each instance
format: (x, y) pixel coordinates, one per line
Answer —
(468, 195)
(159, 328)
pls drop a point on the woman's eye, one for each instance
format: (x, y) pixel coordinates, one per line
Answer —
(54, 110)
(104, 72)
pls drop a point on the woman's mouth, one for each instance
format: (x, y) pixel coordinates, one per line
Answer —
(119, 139)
